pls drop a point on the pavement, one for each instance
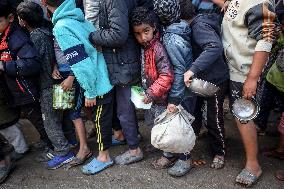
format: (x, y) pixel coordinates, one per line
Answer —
(32, 175)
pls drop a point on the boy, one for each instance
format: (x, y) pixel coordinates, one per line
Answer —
(210, 66)
(20, 66)
(89, 69)
(248, 32)
(31, 17)
(176, 40)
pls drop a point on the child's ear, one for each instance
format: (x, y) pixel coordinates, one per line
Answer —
(11, 18)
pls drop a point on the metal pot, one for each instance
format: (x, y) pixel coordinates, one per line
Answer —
(245, 110)
(203, 88)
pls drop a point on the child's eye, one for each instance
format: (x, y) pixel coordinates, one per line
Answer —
(146, 31)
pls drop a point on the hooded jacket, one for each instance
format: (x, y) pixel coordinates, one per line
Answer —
(72, 31)
(209, 63)
(177, 41)
(43, 42)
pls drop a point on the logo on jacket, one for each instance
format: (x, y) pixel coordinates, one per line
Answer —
(6, 56)
(75, 54)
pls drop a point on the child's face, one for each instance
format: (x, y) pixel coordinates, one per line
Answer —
(144, 33)
(4, 22)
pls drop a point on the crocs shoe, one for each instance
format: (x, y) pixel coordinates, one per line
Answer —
(96, 166)
(58, 161)
(127, 158)
(180, 168)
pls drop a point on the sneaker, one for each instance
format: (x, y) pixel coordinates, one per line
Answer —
(44, 157)
(58, 161)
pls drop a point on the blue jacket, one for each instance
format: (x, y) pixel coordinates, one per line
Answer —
(177, 42)
(209, 63)
(72, 31)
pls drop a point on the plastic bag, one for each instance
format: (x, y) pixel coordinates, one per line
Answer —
(172, 132)
(63, 100)
(137, 96)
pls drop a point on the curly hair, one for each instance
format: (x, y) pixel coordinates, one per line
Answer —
(31, 13)
(142, 15)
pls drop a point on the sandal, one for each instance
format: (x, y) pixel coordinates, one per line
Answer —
(116, 142)
(218, 162)
(150, 149)
(280, 175)
(96, 166)
(78, 161)
(272, 152)
(247, 178)
(163, 162)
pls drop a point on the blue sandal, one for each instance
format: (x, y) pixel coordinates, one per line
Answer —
(116, 142)
(96, 166)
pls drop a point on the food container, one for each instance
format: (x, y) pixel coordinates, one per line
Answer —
(137, 96)
(245, 110)
(63, 100)
(203, 88)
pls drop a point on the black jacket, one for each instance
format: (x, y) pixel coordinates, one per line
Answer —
(121, 51)
(22, 71)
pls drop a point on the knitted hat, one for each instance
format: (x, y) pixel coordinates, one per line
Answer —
(167, 10)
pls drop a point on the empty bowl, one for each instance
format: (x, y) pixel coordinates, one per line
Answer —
(245, 110)
(203, 88)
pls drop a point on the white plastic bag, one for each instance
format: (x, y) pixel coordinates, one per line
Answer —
(137, 96)
(172, 132)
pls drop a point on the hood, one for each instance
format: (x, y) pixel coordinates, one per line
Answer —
(182, 29)
(211, 19)
(68, 10)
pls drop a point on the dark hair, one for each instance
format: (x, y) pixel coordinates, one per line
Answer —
(142, 15)
(54, 3)
(5, 9)
(187, 9)
(31, 12)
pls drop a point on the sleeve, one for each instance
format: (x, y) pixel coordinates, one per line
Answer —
(27, 63)
(261, 23)
(165, 75)
(92, 8)
(117, 33)
(210, 44)
(175, 48)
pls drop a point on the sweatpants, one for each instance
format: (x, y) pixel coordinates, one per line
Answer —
(215, 120)
(32, 112)
(52, 120)
(14, 136)
(127, 115)
(102, 118)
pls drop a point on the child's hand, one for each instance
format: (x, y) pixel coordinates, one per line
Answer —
(225, 6)
(187, 77)
(147, 100)
(220, 3)
(56, 74)
(249, 88)
(67, 83)
(90, 102)
(172, 108)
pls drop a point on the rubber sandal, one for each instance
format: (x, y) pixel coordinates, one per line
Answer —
(77, 161)
(163, 162)
(218, 162)
(96, 166)
(280, 175)
(116, 142)
(247, 178)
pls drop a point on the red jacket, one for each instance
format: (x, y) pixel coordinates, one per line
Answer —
(157, 71)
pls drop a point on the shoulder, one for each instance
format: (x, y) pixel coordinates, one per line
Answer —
(17, 39)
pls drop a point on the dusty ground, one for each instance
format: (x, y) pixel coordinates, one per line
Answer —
(32, 175)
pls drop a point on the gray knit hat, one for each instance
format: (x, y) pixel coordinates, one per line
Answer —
(167, 10)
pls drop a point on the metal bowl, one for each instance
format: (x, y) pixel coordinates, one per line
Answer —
(245, 110)
(203, 88)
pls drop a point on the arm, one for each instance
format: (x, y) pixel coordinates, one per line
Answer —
(261, 23)
(165, 75)
(92, 8)
(220, 3)
(117, 34)
(210, 44)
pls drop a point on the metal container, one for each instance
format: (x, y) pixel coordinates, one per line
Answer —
(245, 110)
(63, 100)
(203, 88)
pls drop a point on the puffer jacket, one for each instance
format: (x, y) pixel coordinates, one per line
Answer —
(157, 72)
(9, 116)
(177, 40)
(21, 67)
(120, 49)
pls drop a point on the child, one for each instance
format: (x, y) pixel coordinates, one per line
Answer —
(21, 68)
(156, 70)
(176, 39)
(248, 32)
(210, 66)
(31, 17)
(89, 69)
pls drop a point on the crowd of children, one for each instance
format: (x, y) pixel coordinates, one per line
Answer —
(101, 49)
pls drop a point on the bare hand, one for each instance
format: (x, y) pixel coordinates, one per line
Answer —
(172, 108)
(225, 6)
(147, 100)
(187, 77)
(249, 88)
(90, 102)
(67, 83)
(220, 3)
(99, 48)
(56, 74)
